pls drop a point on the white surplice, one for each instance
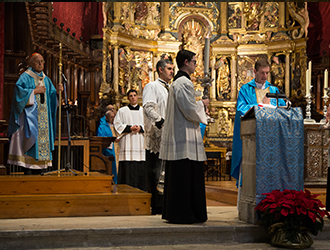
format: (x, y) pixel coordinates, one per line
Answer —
(181, 138)
(154, 105)
(131, 144)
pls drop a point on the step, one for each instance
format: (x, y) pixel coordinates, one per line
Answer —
(222, 227)
(126, 201)
(29, 185)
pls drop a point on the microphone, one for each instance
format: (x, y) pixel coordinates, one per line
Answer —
(64, 77)
(42, 98)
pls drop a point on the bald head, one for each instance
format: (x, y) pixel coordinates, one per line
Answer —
(37, 62)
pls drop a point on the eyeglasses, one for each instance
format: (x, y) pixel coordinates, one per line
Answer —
(194, 62)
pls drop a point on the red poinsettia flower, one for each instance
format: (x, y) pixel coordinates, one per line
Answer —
(296, 209)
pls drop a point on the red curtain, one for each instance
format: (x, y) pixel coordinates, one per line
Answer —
(83, 18)
(319, 29)
(2, 52)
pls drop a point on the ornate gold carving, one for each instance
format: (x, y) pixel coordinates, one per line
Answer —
(253, 12)
(278, 72)
(301, 15)
(245, 71)
(235, 15)
(179, 10)
(222, 81)
(271, 15)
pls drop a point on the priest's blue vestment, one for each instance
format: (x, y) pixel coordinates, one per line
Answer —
(247, 99)
(38, 119)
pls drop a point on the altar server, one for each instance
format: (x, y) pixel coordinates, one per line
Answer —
(129, 125)
(154, 104)
(182, 148)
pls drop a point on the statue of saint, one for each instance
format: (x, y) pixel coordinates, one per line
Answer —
(222, 82)
(278, 72)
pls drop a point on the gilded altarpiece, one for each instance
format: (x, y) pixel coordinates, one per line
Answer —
(138, 34)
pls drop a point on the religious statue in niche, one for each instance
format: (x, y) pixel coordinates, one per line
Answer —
(296, 79)
(222, 82)
(271, 15)
(253, 12)
(245, 71)
(109, 68)
(141, 11)
(193, 40)
(225, 125)
(235, 16)
(140, 76)
(278, 73)
(153, 17)
(125, 10)
(125, 65)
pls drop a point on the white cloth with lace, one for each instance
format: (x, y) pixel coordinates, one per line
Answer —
(154, 106)
(181, 138)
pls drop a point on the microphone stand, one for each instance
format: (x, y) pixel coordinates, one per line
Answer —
(66, 107)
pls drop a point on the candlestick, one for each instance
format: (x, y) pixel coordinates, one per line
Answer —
(310, 73)
(308, 118)
(325, 100)
(325, 82)
(206, 55)
(307, 82)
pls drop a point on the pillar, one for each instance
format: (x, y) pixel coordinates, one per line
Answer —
(233, 77)
(213, 76)
(287, 74)
(115, 68)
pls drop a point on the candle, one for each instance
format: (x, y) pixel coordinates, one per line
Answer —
(310, 66)
(207, 55)
(310, 74)
(307, 82)
(325, 82)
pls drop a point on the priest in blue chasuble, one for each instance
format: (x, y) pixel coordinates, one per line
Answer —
(32, 123)
(251, 94)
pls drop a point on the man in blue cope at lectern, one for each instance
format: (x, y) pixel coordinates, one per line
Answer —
(251, 94)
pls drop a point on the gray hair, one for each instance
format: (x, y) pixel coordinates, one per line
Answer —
(162, 64)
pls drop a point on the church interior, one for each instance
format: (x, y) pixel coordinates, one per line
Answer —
(108, 48)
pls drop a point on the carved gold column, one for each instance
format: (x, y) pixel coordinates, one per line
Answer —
(115, 68)
(213, 76)
(281, 21)
(233, 76)
(287, 74)
(105, 61)
(223, 18)
(116, 14)
(269, 79)
(155, 60)
(165, 21)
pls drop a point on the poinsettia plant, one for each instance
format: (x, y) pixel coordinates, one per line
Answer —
(296, 211)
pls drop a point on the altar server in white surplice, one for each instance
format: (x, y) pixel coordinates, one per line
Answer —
(129, 125)
(154, 100)
(183, 149)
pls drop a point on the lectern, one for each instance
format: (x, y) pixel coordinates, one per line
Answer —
(272, 157)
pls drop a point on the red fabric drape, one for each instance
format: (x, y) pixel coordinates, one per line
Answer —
(319, 29)
(2, 54)
(83, 18)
